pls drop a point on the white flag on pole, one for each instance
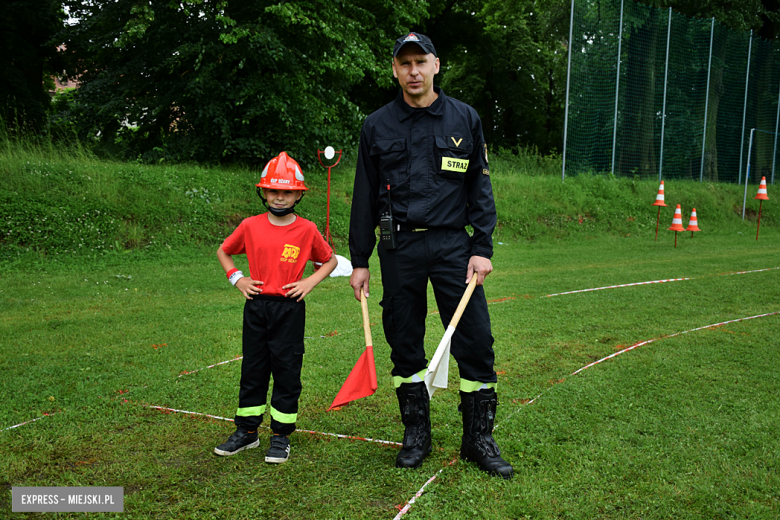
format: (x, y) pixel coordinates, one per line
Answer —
(438, 369)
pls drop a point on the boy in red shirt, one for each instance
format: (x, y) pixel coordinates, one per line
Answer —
(277, 244)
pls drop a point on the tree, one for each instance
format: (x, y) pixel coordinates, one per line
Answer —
(29, 58)
(508, 60)
(229, 80)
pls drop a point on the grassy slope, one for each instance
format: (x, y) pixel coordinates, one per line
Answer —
(63, 203)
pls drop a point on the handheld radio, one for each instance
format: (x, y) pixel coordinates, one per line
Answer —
(386, 227)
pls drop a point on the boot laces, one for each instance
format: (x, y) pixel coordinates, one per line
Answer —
(485, 439)
(410, 421)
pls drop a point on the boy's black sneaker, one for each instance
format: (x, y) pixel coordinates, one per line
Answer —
(279, 450)
(241, 439)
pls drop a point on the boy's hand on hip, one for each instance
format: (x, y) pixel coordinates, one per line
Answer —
(299, 289)
(248, 288)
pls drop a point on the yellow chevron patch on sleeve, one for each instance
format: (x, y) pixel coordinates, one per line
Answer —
(454, 165)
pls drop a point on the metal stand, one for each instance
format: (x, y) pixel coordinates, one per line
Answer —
(328, 238)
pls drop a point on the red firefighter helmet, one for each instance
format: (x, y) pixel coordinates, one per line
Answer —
(282, 173)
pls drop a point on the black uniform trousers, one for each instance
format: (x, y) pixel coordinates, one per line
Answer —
(441, 255)
(272, 346)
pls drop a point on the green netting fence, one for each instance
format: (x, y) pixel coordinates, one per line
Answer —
(655, 94)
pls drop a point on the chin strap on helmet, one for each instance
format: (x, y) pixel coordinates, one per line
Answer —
(276, 211)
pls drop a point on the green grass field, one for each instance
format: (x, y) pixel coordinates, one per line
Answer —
(112, 302)
(683, 427)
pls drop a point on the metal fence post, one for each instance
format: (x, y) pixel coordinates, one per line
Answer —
(744, 108)
(706, 103)
(777, 122)
(663, 113)
(747, 174)
(568, 89)
(617, 86)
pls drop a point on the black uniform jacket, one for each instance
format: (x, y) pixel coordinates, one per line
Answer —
(435, 161)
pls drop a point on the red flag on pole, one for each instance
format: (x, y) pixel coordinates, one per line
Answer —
(361, 382)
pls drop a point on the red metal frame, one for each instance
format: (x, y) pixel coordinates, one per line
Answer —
(328, 239)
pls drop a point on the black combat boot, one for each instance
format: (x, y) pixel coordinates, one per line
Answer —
(415, 408)
(478, 445)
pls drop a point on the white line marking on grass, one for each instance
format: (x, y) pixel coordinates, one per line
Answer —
(337, 435)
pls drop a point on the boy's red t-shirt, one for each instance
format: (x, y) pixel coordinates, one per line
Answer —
(277, 255)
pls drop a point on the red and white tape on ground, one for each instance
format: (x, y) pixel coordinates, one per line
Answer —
(337, 435)
(26, 422)
(641, 343)
(350, 437)
(186, 373)
(419, 493)
(617, 286)
(654, 281)
(756, 271)
(504, 300)
(632, 347)
(166, 409)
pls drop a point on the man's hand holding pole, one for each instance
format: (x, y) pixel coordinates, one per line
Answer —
(359, 280)
(480, 265)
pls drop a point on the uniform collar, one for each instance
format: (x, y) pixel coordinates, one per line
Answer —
(404, 111)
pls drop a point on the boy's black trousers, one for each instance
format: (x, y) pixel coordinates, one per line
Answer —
(441, 255)
(272, 346)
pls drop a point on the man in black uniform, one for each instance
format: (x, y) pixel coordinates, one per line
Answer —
(422, 175)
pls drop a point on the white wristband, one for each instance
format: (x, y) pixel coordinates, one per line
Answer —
(235, 277)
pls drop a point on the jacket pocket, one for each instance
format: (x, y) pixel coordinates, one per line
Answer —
(452, 156)
(393, 158)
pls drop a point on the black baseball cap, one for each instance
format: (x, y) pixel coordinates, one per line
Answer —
(423, 41)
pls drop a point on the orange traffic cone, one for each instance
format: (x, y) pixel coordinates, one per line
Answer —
(693, 224)
(677, 223)
(677, 220)
(659, 201)
(761, 198)
(762, 190)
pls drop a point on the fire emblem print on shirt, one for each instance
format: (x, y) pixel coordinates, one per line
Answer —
(290, 254)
